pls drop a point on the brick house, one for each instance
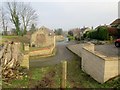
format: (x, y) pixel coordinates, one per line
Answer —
(43, 37)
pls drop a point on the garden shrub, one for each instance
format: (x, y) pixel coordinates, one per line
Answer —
(100, 33)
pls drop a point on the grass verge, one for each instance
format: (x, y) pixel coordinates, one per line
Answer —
(76, 78)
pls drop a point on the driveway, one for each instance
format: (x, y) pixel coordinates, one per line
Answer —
(62, 54)
(109, 50)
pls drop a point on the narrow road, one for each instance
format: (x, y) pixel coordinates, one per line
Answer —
(62, 54)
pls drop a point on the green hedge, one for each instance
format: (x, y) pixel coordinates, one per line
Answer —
(100, 33)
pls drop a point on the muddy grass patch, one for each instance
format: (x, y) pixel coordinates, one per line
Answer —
(47, 80)
(45, 77)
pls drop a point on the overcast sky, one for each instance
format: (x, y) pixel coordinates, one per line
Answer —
(69, 14)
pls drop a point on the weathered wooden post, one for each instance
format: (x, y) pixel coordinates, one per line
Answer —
(64, 74)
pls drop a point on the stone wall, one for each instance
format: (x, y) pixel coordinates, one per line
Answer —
(50, 41)
(14, 54)
(42, 52)
(43, 37)
(59, 38)
(98, 66)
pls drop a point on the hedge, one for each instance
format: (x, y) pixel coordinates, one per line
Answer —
(100, 33)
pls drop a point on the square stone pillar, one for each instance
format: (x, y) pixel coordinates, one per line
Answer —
(89, 46)
(26, 47)
(25, 61)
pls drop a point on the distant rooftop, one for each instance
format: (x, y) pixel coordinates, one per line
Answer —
(117, 21)
(46, 29)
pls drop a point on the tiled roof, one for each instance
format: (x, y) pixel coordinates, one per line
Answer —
(117, 21)
(46, 29)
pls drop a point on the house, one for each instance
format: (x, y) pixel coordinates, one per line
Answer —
(116, 22)
(114, 28)
(43, 37)
(75, 33)
(78, 33)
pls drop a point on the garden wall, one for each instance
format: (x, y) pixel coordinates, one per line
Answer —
(59, 38)
(98, 66)
(42, 52)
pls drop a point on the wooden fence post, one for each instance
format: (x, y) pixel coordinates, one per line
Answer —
(64, 74)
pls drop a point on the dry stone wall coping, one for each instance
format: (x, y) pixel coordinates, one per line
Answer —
(101, 55)
(104, 57)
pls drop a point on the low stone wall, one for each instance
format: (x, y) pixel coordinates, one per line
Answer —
(76, 49)
(41, 52)
(59, 38)
(22, 58)
(98, 66)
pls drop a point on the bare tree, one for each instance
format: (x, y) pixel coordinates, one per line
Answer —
(3, 20)
(14, 15)
(28, 16)
(22, 15)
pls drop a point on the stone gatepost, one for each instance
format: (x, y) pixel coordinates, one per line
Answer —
(25, 61)
(92, 47)
(89, 46)
(26, 47)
